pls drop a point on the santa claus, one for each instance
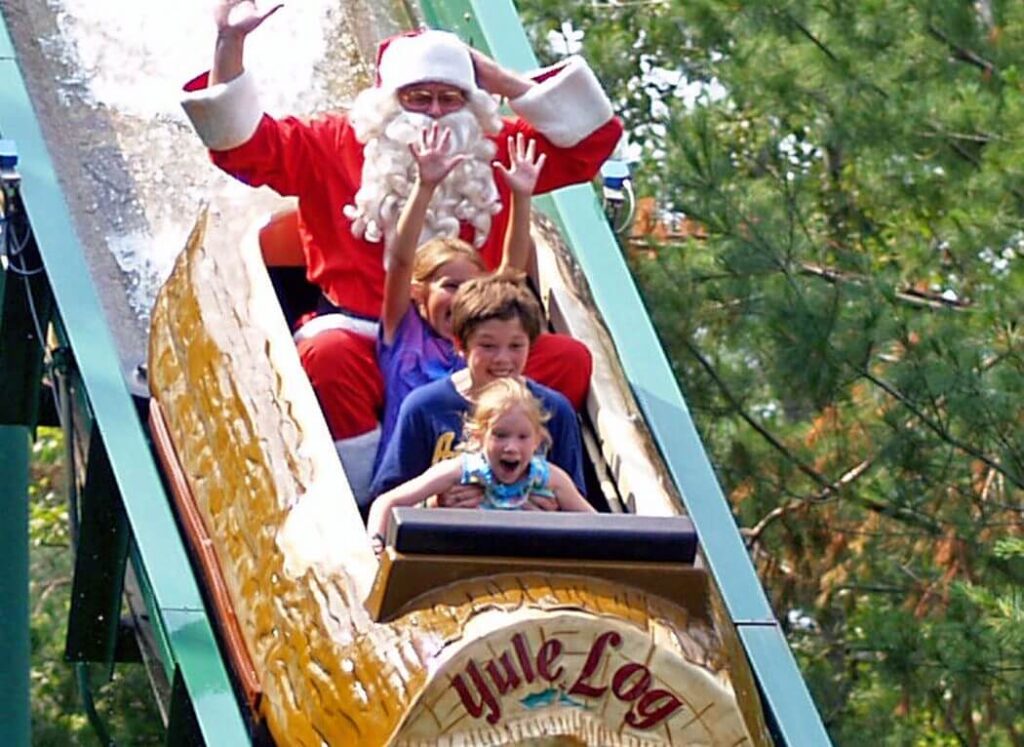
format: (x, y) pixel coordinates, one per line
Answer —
(352, 172)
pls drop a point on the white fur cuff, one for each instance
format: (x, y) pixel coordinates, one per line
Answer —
(225, 115)
(565, 106)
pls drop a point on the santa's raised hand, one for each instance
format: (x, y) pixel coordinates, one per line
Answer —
(434, 160)
(240, 17)
(496, 79)
(235, 20)
(525, 165)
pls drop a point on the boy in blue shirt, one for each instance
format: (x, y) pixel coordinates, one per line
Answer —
(494, 321)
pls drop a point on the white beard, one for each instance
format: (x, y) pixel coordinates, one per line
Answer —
(468, 193)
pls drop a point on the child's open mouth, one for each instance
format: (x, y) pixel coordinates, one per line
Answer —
(509, 467)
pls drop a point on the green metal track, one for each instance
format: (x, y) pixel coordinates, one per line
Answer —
(175, 604)
(493, 25)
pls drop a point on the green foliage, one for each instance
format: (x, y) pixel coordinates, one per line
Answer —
(846, 327)
(125, 704)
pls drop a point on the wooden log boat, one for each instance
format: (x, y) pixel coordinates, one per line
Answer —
(467, 631)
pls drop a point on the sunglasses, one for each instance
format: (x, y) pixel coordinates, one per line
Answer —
(421, 99)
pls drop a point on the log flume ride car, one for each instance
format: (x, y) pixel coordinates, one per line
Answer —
(474, 628)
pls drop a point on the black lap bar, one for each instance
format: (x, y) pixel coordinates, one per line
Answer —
(539, 534)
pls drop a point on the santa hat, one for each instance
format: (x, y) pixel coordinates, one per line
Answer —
(424, 56)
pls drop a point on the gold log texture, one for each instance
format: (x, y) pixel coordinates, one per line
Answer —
(523, 658)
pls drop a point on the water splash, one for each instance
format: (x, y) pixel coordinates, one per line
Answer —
(123, 63)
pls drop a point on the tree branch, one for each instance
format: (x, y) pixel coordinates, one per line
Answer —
(51, 586)
(910, 295)
(904, 515)
(938, 430)
(962, 53)
(754, 534)
(806, 32)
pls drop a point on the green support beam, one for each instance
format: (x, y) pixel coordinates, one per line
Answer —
(493, 26)
(15, 663)
(100, 555)
(177, 607)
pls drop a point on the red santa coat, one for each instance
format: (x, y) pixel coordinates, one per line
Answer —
(320, 161)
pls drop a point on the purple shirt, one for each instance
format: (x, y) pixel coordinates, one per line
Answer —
(417, 356)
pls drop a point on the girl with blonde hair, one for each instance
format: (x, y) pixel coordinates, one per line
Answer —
(503, 453)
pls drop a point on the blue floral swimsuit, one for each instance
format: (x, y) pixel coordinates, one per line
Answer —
(502, 497)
